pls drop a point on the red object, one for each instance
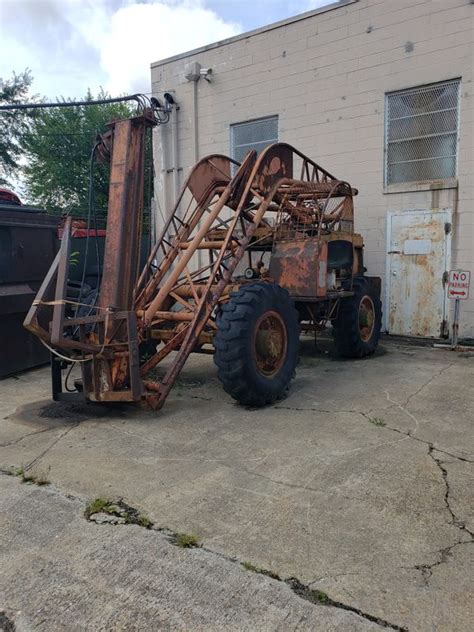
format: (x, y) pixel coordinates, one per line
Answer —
(82, 232)
(9, 197)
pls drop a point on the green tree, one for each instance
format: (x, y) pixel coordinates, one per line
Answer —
(57, 149)
(13, 123)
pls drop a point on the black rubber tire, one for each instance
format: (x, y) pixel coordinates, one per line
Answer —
(346, 331)
(234, 344)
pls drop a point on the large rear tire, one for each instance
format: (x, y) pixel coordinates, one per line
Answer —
(257, 343)
(356, 329)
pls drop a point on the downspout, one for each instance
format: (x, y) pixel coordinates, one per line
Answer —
(195, 121)
(175, 154)
(172, 108)
(193, 74)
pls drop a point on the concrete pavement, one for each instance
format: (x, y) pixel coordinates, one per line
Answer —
(359, 484)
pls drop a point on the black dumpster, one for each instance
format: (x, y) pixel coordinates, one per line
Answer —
(28, 244)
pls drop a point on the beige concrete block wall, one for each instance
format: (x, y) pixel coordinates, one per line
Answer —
(326, 77)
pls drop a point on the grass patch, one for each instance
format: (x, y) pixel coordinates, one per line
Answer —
(185, 540)
(377, 421)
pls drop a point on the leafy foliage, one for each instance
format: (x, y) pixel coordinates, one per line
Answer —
(58, 149)
(13, 123)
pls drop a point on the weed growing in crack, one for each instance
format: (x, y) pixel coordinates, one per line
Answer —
(319, 597)
(120, 509)
(36, 479)
(98, 505)
(144, 521)
(185, 540)
(261, 571)
(42, 480)
(376, 421)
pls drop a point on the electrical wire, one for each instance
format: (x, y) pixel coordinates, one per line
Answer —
(66, 380)
(63, 357)
(62, 104)
(89, 214)
(161, 114)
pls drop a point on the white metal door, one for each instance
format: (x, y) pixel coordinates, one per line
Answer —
(418, 256)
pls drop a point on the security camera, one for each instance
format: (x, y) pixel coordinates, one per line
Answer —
(170, 101)
(206, 73)
(156, 103)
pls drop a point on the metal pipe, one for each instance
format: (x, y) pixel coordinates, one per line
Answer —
(454, 342)
(195, 122)
(175, 153)
(196, 144)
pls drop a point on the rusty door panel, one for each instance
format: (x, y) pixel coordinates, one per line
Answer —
(300, 267)
(417, 256)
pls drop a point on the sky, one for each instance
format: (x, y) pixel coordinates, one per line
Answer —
(73, 45)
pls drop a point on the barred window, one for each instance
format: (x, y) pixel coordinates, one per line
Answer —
(421, 133)
(255, 134)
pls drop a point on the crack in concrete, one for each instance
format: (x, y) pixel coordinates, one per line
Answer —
(6, 624)
(320, 578)
(30, 464)
(278, 482)
(30, 434)
(304, 591)
(444, 473)
(444, 553)
(427, 569)
(317, 410)
(428, 382)
(316, 597)
(410, 433)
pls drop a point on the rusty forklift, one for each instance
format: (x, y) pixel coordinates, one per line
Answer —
(251, 255)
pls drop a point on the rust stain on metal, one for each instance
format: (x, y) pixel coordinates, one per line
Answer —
(295, 265)
(226, 209)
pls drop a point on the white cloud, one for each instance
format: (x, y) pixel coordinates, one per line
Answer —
(71, 45)
(140, 34)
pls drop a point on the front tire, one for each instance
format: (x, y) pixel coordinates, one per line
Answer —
(356, 329)
(257, 343)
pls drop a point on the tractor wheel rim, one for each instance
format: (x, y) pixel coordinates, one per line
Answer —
(270, 343)
(366, 318)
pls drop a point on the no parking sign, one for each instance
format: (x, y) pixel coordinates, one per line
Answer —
(458, 290)
(458, 284)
